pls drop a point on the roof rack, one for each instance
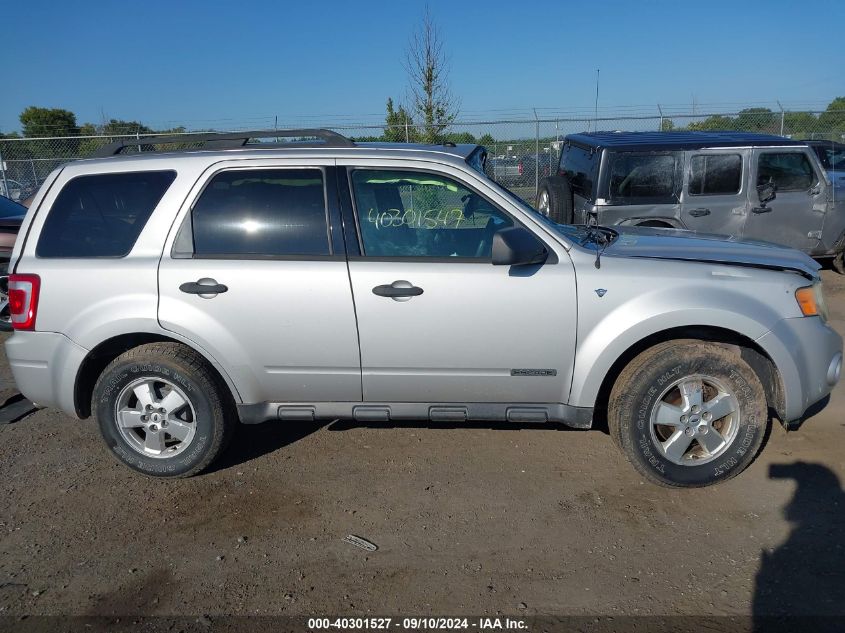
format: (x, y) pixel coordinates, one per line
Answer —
(229, 140)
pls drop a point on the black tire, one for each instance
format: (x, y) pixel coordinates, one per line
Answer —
(5, 314)
(645, 387)
(560, 199)
(838, 262)
(209, 411)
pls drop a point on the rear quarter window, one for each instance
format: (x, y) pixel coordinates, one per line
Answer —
(101, 215)
(580, 166)
(644, 178)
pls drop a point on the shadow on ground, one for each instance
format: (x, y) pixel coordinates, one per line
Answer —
(252, 441)
(805, 577)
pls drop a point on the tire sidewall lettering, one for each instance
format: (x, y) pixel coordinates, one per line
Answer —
(639, 405)
(121, 376)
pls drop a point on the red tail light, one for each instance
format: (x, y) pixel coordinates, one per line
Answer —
(23, 300)
(521, 168)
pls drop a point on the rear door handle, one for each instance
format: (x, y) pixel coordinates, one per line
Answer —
(399, 290)
(761, 210)
(205, 288)
(697, 213)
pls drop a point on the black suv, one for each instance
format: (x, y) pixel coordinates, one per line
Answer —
(731, 183)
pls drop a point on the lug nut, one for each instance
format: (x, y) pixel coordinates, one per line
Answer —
(683, 419)
(696, 408)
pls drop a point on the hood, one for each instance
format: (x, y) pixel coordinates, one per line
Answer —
(684, 245)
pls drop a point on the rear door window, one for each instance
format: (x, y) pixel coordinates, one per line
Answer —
(715, 174)
(262, 213)
(644, 178)
(101, 215)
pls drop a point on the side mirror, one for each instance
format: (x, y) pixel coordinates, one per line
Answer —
(766, 192)
(516, 246)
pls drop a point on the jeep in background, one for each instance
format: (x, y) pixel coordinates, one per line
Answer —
(832, 157)
(173, 294)
(738, 184)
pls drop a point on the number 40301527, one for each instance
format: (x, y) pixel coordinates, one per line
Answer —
(431, 219)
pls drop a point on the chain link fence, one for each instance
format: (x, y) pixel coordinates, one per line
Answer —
(521, 151)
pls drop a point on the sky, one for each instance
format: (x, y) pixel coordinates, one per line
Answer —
(244, 62)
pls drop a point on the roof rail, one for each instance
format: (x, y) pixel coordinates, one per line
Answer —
(228, 140)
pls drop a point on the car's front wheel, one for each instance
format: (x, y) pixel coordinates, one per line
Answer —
(162, 411)
(688, 413)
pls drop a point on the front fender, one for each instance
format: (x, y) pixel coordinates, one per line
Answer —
(644, 298)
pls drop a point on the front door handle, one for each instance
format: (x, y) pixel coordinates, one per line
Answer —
(761, 210)
(399, 290)
(205, 288)
(697, 213)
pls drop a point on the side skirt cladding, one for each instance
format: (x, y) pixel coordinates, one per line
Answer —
(514, 413)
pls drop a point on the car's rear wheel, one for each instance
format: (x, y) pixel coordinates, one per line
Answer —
(688, 413)
(162, 411)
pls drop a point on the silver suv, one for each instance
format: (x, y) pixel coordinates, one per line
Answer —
(172, 294)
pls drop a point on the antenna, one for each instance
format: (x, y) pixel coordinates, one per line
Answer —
(596, 115)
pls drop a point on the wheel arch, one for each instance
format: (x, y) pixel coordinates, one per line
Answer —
(665, 222)
(105, 352)
(757, 357)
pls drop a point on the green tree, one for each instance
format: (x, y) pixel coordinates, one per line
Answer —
(799, 123)
(116, 127)
(667, 125)
(833, 118)
(459, 137)
(48, 122)
(398, 125)
(428, 74)
(487, 140)
(757, 120)
(715, 122)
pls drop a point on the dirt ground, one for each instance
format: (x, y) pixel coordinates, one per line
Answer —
(472, 520)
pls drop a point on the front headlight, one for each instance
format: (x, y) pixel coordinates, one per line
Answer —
(811, 300)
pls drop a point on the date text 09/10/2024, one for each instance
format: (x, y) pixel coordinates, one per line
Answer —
(414, 624)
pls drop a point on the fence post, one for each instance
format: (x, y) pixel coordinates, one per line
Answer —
(3, 172)
(34, 173)
(781, 117)
(660, 110)
(536, 155)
